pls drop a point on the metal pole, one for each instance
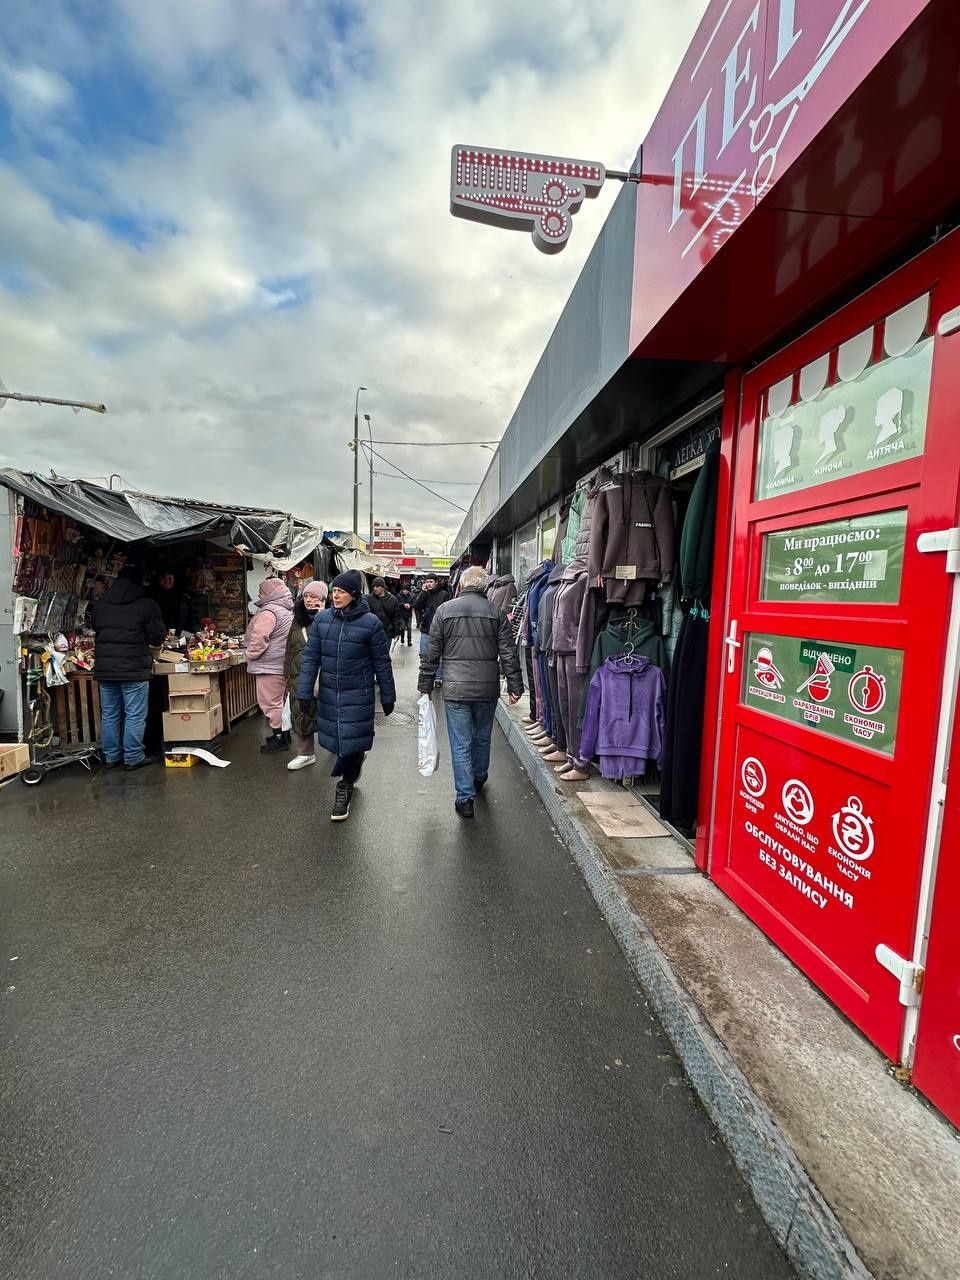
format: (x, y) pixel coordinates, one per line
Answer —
(356, 463)
(370, 434)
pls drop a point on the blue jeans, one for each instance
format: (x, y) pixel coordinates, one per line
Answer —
(469, 726)
(126, 699)
(424, 641)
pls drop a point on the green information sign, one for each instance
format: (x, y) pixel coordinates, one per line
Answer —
(849, 692)
(851, 427)
(860, 559)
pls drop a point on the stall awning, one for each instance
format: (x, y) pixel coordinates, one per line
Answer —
(130, 516)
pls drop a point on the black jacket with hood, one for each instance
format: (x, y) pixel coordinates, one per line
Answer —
(474, 640)
(127, 622)
(387, 609)
(427, 604)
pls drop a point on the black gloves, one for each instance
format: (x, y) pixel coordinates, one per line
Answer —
(388, 708)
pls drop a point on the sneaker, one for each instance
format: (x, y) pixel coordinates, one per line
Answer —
(464, 808)
(341, 802)
(479, 784)
(301, 762)
(112, 764)
(142, 764)
(276, 742)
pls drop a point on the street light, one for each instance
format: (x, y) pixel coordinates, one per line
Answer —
(356, 463)
(370, 434)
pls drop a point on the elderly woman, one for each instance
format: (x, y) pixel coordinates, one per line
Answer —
(348, 648)
(310, 602)
(265, 643)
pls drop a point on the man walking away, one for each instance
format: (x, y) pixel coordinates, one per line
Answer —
(474, 641)
(405, 601)
(385, 608)
(428, 602)
(127, 623)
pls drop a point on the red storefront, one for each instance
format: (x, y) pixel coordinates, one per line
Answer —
(794, 224)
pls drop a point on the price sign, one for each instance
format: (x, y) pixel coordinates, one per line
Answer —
(860, 560)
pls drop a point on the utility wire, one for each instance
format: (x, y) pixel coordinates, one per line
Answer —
(387, 475)
(448, 501)
(434, 444)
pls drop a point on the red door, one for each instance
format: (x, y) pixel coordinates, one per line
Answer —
(837, 628)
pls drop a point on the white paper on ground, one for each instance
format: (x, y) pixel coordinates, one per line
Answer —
(202, 755)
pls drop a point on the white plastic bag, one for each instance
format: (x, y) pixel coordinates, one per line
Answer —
(286, 722)
(428, 744)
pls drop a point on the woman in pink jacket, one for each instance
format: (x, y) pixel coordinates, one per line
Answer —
(266, 643)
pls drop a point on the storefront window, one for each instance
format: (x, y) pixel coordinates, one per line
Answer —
(548, 537)
(526, 553)
(850, 427)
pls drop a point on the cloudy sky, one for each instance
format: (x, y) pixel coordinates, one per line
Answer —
(220, 216)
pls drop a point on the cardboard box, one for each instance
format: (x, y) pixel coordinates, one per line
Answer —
(202, 700)
(168, 668)
(171, 656)
(14, 758)
(192, 726)
(182, 760)
(187, 682)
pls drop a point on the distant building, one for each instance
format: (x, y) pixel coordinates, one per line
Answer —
(387, 540)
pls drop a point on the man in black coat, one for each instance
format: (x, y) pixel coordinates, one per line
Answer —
(427, 603)
(405, 601)
(126, 623)
(475, 642)
(386, 608)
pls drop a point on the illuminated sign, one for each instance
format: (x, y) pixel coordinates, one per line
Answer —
(522, 191)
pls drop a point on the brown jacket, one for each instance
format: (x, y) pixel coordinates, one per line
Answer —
(632, 529)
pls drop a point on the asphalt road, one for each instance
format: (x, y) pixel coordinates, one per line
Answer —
(239, 1042)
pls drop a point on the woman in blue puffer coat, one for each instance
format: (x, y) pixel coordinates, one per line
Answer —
(348, 646)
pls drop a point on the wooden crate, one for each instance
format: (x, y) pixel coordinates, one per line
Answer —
(238, 691)
(76, 710)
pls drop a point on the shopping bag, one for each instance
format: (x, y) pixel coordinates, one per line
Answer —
(428, 744)
(286, 723)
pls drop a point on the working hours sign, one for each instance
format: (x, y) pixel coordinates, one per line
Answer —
(858, 560)
(846, 691)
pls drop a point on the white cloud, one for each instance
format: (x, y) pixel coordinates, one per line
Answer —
(293, 240)
(32, 91)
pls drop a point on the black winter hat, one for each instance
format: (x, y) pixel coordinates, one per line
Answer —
(379, 582)
(350, 582)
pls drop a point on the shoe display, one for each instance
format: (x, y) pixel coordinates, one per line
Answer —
(464, 808)
(341, 802)
(301, 762)
(142, 764)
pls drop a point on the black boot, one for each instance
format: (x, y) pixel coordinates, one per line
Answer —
(278, 741)
(341, 802)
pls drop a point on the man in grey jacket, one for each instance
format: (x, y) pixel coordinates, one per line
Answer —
(474, 641)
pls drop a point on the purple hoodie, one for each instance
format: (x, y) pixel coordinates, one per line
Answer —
(623, 722)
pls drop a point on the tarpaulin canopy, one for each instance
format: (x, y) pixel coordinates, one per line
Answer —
(129, 516)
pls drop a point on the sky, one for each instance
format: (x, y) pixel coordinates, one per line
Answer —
(221, 217)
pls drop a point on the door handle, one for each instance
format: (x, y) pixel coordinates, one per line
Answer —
(733, 644)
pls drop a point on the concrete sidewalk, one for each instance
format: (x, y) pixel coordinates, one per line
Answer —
(854, 1173)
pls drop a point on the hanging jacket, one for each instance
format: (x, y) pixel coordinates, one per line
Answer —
(348, 648)
(536, 585)
(568, 548)
(265, 639)
(699, 530)
(545, 610)
(567, 607)
(613, 640)
(632, 530)
(503, 592)
(126, 623)
(473, 640)
(624, 720)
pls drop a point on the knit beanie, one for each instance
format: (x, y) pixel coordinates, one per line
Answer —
(271, 587)
(315, 587)
(379, 582)
(351, 582)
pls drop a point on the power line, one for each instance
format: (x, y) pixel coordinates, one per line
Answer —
(435, 444)
(413, 479)
(387, 475)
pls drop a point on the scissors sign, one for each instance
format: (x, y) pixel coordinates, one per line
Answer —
(762, 128)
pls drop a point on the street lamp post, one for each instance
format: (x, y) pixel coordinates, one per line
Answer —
(356, 463)
(370, 434)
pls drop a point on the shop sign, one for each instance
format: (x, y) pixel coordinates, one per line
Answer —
(442, 562)
(844, 691)
(859, 559)
(522, 190)
(687, 451)
(849, 428)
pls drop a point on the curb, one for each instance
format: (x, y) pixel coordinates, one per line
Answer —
(801, 1221)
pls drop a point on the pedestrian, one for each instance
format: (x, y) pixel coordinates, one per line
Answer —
(170, 599)
(474, 640)
(428, 602)
(265, 642)
(311, 601)
(127, 623)
(348, 648)
(385, 608)
(405, 601)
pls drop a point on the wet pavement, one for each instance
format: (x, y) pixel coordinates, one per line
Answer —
(240, 1042)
